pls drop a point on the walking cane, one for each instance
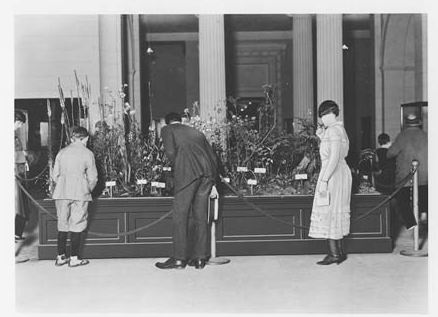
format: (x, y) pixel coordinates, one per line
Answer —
(416, 251)
(214, 195)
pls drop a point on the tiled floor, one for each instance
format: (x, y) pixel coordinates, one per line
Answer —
(365, 283)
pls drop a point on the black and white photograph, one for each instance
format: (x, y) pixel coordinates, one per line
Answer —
(231, 157)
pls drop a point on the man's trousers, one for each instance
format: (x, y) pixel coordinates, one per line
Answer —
(190, 223)
(404, 204)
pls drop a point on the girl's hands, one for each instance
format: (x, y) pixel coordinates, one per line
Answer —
(322, 187)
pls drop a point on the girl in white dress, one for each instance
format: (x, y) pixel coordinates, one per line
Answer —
(330, 217)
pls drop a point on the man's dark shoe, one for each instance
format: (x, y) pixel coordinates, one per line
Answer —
(171, 263)
(198, 263)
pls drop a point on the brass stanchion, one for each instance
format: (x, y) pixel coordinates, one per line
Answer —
(213, 259)
(416, 250)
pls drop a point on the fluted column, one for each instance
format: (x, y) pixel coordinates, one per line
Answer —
(329, 59)
(212, 67)
(302, 65)
(110, 59)
(133, 58)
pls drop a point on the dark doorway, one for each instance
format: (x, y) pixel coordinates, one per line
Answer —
(166, 78)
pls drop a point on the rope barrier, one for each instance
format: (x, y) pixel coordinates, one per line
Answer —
(239, 195)
(33, 178)
(402, 183)
(101, 234)
(259, 209)
(22, 179)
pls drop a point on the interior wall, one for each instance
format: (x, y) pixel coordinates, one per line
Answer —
(402, 61)
(48, 47)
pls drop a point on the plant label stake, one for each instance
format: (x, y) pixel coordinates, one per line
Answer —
(252, 183)
(158, 185)
(167, 169)
(242, 169)
(141, 182)
(260, 170)
(301, 178)
(110, 185)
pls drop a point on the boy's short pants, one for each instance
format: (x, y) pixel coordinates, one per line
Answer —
(72, 215)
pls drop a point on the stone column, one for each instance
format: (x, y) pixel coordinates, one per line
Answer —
(302, 66)
(110, 59)
(132, 29)
(212, 67)
(329, 59)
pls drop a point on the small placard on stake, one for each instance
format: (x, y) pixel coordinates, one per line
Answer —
(260, 170)
(167, 168)
(252, 182)
(110, 183)
(300, 176)
(158, 184)
(242, 169)
(226, 179)
(141, 181)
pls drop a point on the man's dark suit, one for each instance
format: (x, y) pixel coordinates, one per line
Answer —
(195, 171)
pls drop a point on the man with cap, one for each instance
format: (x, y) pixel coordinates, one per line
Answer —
(410, 144)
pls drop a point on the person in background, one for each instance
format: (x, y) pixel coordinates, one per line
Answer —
(21, 214)
(195, 167)
(385, 167)
(330, 218)
(75, 176)
(410, 144)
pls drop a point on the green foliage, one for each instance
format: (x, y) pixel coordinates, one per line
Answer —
(130, 158)
(257, 143)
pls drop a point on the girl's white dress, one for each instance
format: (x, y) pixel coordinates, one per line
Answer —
(333, 221)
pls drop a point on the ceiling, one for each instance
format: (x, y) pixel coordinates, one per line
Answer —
(171, 23)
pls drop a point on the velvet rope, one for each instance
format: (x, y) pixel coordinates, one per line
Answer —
(245, 199)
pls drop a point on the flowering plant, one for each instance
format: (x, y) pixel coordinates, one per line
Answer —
(257, 157)
(125, 155)
(254, 154)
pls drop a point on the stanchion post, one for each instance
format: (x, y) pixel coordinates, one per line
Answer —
(416, 250)
(415, 204)
(49, 146)
(213, 259)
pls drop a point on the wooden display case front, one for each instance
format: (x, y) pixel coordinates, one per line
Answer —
(240, 230)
